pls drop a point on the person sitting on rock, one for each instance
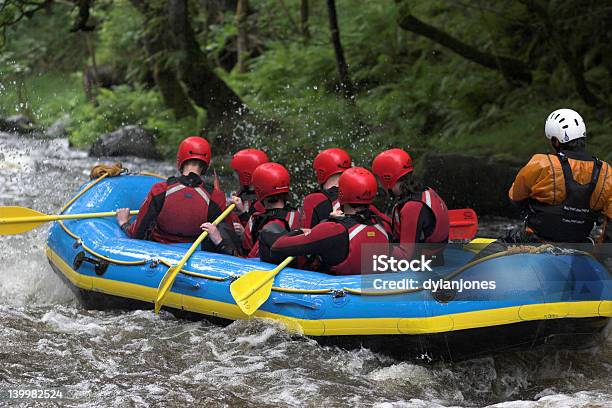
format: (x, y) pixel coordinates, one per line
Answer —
(174, 209)
(339, 242)
(563, 194)
(271, 182)
(420, 215)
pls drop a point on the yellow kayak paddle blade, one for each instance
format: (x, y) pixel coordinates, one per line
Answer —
(251, 290)
(15, 220)
(164, 286)
(478, 244)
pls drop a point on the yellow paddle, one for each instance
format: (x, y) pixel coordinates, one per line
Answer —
(253, 288)
(15, 220)
(168, 279)
(478, 244)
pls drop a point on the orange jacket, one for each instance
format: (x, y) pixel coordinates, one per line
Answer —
(542, 179)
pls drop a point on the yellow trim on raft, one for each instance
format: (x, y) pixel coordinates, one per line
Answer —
(337, 327)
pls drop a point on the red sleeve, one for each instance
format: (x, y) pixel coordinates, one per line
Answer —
(147, 214)
(311, 201)
(410, 229)
(218, 196)
(319, 242)
(385, 219)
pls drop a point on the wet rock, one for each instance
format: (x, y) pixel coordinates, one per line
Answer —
(126, 141)
(16, 124)
(480, 183)
(59, 128)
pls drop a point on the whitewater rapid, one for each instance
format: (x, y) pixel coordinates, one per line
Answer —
(135, 358)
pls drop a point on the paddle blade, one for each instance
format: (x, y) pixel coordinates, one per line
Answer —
(164, 287)
(478, 244)
(252, 289)
(463, 224)
(10, 223)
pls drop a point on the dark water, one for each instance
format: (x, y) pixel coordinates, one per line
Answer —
(138, 359)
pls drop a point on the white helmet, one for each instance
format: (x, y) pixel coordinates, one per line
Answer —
(566, 125)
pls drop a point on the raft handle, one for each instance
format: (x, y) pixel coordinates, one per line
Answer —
(100, 266)
(286, 300)
(338, 293)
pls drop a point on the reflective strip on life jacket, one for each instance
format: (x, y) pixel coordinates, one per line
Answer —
(201, 192)
(291, 218)
(428, 198)
(356, 231)
(174, 189)
(381, 229)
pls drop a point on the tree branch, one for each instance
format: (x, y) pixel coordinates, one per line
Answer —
(564, 53)
(346, 86)
(511, 68)
(80, 23)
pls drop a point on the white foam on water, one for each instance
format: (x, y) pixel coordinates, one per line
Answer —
(259, 339)
(72, 324)
(590, 399)
(403, 371)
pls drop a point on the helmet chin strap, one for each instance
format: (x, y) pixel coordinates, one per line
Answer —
(554, 142)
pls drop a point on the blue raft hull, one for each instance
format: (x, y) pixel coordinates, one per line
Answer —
(562, 300)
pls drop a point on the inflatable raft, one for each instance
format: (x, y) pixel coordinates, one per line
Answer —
(557, 299)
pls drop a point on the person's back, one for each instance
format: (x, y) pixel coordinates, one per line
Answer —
(420, 215)
(174, 209)
(563, 194)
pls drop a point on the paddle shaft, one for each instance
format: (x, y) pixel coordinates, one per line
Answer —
(47, 218)
(273, 273)
(203, 236)
(168, 279)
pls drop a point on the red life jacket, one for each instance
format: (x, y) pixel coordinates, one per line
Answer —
(185, 208)
(359, 234)
(431, 200)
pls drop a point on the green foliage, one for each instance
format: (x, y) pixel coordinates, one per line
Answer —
(120, 41)
(126, 106)
(42, 97)
(410, 91)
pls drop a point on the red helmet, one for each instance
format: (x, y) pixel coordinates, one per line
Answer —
(245, 162)
(330, 162)
(357, 186)
(390, 165)
(193, 147)
(270, 179)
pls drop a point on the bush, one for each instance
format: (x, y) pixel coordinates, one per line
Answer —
(124, 106)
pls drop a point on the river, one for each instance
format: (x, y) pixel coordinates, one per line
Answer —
(115, 358)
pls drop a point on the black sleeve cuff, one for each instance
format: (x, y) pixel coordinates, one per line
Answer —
(126, 228)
